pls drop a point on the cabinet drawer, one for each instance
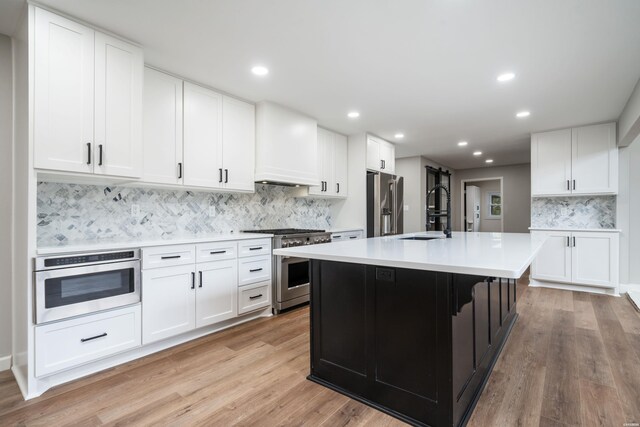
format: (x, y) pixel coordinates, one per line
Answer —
(168, 256)
(67, 344)
(253, 270)
(217, 251)
(254, 297)
(254, 247)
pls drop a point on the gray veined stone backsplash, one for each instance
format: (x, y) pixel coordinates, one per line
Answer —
(69, 213)
(574, 212)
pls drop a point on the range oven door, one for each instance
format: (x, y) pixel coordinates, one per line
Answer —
(293, 278)
(69, 292)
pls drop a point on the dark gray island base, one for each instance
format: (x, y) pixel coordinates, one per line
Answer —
(418, 345)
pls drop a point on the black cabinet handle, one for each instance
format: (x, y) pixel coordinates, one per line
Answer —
(337, 237)
(100, 155)
(217, 252)
(574, 241)
(220, 175)
(170, 257)
(337, 187)
(256, 297)
(255, 269)
(88, 153)
(381, 164)
(353, 237)
(180, 170)
(93, 338)
(568, 241)
(200, 277)
(568, 185)
(226, 176)
(574, 184)
(255, 249)
(384, 164)
(193, 280)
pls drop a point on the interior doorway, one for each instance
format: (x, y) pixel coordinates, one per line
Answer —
(482, 205)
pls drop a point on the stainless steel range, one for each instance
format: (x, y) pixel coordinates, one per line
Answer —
(291, 274)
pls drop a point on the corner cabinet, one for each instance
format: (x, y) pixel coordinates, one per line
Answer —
(381, 155)
(578, 257)
(581, 160)
(87, 100)
(332, 165)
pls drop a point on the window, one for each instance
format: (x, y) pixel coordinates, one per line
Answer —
(495, 205)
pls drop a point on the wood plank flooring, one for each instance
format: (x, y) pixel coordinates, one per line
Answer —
(572, 359)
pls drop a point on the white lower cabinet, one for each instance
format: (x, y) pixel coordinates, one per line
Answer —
(580, 258)
(347, 235)
(67, 344)
(254, 297)
(216, 296)
(254, 269)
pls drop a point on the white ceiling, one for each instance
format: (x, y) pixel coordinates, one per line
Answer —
(426, 68)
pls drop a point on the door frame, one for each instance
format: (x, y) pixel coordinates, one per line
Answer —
(463, 197)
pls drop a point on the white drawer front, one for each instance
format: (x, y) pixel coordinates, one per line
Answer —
(254, 297)
(254, 247)
(168, 256)
(70, 343)
(253, 270)
(217, 251)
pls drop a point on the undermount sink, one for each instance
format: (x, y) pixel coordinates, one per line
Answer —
(421, 238)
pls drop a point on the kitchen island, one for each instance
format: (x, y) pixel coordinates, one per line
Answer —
(413, 324)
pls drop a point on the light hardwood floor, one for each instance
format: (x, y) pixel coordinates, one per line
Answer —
(571, 359)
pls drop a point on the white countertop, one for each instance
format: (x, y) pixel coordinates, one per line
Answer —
(597, 230)
(107, 245)
(489, 254)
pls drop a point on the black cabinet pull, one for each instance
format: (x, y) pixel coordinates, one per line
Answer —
(574, 184)
(337, 237)
(568, 185)
(193, 280)
(170, 257)
(226, 176)
(381, 164)
(217, 252)
(93, 338)
(574, 241)
(384, 164)
(255, 249)
(337, 187)
(256, 297)
(220, 175)
(200, 277)
(255, 269)
(568, 241)
(353, 237)
(180, 170)
(100, 155)
(88, 153)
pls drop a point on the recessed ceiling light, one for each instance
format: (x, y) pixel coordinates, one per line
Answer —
(522, 114)
(353, 115)
(462, 143)
(505, 77)
(264, 182)
(489, 161)
(399, 135)
(260, 70)
(477, 153)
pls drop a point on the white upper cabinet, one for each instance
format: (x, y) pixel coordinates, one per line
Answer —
(582, 160)
(118, 111)
(202, 137)
(381, 155)
(87, 100)
(238, 144)
(332, 165)
(63, 95)
(594, 159)
(162, 128)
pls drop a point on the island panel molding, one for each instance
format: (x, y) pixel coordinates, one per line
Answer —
(76, 213)
(585, 212)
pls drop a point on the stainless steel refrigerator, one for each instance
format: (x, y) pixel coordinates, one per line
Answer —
(384, 204)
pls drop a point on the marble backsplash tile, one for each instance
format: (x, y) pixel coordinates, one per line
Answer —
(74, 212)
(574, 212)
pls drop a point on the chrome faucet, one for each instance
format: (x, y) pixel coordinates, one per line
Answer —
(447, 231)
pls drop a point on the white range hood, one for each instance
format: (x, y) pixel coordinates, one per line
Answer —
(286, 146)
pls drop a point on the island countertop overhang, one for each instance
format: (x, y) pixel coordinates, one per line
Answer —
(505, 255)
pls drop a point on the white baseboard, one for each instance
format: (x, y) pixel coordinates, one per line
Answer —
(5, 363)
(626, 287)
(569, 287)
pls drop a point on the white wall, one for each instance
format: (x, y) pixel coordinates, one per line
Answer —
(486, 187)
(516, 200)
(629, 121)
(6, 179)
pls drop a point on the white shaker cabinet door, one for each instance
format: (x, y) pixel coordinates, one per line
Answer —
(63, 94)
(387, 158)
(373, 154)
(118, 107)
(168, 302)
(594, 259)
(341, 154)
(216, 292)
(162, 128)
(202, 137)
(324, 139)
(551, 163)
(594, 159)
(553, 262)
(239, 144)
